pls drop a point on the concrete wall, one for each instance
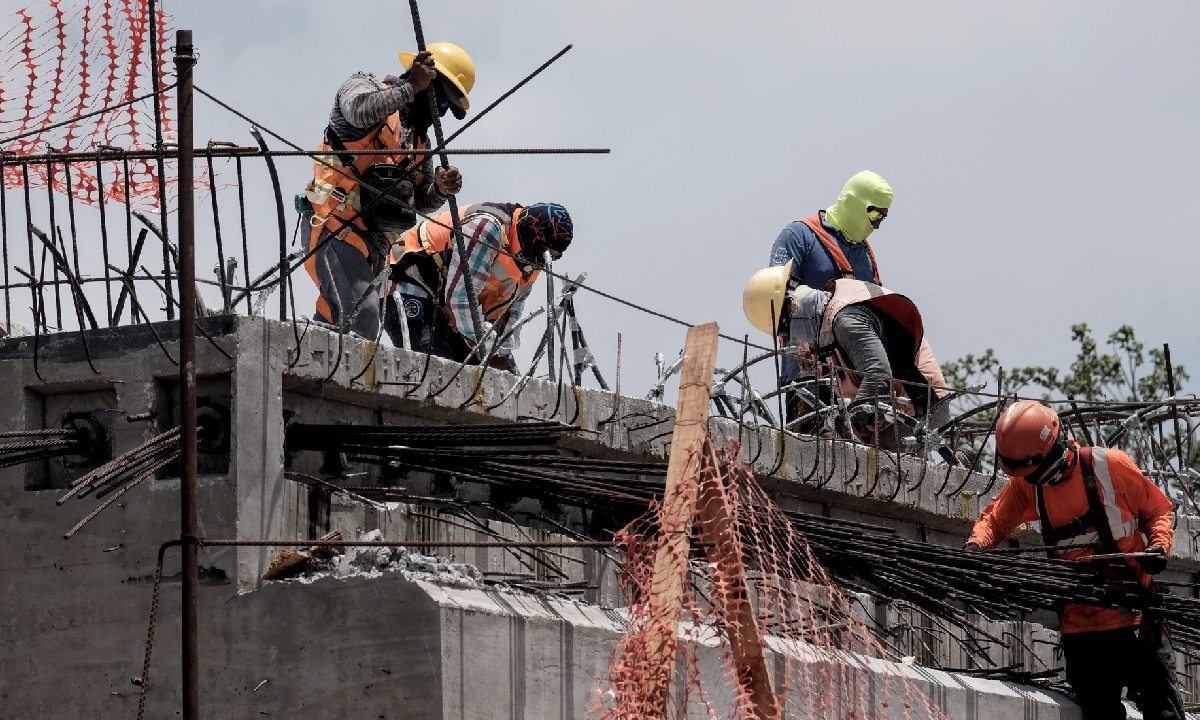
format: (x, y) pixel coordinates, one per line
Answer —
(73, 628)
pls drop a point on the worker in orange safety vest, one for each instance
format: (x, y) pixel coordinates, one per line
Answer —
(506, 245)
(357, 205)
(1090, 499)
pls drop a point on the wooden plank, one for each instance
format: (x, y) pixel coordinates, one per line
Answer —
(679, 503)
(745, 641)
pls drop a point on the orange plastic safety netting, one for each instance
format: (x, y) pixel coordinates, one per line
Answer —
(62, 60)
(763, 631)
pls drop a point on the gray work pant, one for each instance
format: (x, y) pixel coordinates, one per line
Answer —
(347, 284)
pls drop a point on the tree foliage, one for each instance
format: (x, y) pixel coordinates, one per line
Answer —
(1122, 371)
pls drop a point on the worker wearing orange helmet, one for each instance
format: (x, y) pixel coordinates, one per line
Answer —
(1087, 500)
(870, 338)
(357, 205)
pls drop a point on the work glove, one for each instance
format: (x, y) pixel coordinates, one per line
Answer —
(972, 547)
(490, 347)
(447, 181)
(1158, 563)
(422, 72)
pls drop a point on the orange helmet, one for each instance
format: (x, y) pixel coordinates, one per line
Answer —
(1027, 443)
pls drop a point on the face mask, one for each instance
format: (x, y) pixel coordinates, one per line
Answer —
(849, 214)
(1049, 469)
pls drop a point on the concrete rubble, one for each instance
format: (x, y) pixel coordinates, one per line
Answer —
(372, 562)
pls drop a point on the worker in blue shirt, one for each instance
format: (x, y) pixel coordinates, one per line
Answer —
(828, 245)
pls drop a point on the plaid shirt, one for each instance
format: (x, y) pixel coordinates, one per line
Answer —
(483, 238)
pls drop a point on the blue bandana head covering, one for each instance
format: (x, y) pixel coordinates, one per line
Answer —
(545, 225)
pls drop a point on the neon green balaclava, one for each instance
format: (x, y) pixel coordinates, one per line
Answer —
(849, 213)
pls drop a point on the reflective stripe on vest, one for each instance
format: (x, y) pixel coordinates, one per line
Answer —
(1112, 512)
(334, 189)
(1120, 528)
(835, 251)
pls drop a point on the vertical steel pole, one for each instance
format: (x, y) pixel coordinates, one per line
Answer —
(455, 219)
(184, 60)
(551, 317)
(1181, 470)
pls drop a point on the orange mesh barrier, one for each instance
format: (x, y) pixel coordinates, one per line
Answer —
(62, 60)
(754, 588)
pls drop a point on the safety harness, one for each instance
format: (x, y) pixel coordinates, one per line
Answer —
(836, 256)
(1095, 519)
(339, 148)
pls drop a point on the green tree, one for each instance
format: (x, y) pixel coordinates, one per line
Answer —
(1099, 378)
(1119, 373)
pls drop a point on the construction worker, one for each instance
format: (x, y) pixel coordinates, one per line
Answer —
(869, 338)
(1098, 497)
(357, 205)
(832, 244)
(505, 245)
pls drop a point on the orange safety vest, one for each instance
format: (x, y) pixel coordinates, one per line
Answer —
(835, 251)
(435, 240)
(334, 191)
(897, 307)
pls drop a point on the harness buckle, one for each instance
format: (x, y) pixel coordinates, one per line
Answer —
(339, 195)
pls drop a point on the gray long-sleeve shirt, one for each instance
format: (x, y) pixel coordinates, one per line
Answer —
(362, 103)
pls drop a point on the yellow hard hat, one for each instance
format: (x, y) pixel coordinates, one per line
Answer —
(762, 300)
(452, 63)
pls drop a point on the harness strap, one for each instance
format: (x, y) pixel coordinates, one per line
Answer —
(1096, 513)
(427, 246)
(339, 147)
(1095, 519)
(835, 252)
(345, 157)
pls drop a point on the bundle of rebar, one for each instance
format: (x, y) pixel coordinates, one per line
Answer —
(948, 581)
(581, 481)
(304, 436)
(945, 582)
(113, 479)
(22, 446)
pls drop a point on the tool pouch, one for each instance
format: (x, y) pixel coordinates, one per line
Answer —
(388, 196)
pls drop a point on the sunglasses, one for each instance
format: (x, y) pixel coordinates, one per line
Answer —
(876, 216)
(1008, 462)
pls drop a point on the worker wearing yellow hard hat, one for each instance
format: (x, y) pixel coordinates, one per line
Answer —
(870, 340)
(357, 205)
(455, 69)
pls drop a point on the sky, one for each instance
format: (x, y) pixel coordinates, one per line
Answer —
(1043, 154)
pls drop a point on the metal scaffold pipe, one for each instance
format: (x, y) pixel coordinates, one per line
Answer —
(184, 62)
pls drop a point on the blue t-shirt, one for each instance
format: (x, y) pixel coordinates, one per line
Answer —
(813, 267)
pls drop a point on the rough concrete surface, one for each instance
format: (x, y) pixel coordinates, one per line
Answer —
(73, 627)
